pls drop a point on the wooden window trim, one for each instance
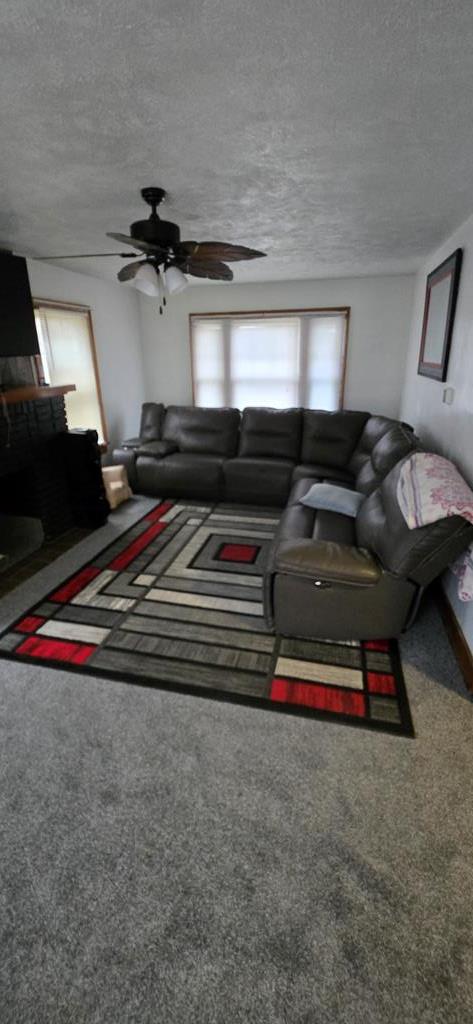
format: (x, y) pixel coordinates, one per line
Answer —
(271, 314)
(76, 307)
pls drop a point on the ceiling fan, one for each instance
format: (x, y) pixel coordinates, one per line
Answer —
(165, 258)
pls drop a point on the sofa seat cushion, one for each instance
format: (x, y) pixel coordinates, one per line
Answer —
(181, 475)
(262, 481)
(202, 431)
(270, 433)
(319, 472)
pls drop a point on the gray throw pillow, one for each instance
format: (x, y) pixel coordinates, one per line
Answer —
(333, 498)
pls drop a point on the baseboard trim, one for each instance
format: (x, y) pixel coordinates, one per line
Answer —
(456, 636)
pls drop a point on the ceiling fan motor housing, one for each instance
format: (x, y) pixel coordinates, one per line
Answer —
(156, 231)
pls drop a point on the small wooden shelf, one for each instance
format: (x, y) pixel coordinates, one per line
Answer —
(31, 393)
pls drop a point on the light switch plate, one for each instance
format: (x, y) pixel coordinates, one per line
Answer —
(448, 396)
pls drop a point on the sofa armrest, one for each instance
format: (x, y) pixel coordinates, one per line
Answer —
(131, 442)
(156, 449)
(327, 561)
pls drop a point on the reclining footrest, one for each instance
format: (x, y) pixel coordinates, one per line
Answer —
(328, 562)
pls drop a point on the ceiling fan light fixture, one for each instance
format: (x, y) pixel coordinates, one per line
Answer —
(175, 280)
(147, 281)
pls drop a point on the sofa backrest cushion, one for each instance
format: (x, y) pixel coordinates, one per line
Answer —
(152, 416)
(270, 433)
(202, 431)
(374, 429)
(329, 438)
(390, 449)
(419, 554)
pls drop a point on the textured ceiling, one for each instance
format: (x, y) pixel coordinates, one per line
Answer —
(336, 136)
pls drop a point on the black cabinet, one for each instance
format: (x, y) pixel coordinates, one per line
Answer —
(88, 500)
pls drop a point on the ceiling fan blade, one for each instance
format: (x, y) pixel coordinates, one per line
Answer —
(85, 256)
(212, 269)
(219, 251)
(130, 271)
(136, 243)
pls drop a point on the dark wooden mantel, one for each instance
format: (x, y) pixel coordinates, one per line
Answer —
(30, 393)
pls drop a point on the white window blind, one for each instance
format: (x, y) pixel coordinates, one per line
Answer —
(67, 356)
(279, 360)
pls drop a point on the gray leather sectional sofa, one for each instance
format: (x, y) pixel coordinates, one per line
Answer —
(256, 456)
(329, 576)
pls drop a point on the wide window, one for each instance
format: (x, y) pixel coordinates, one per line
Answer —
(294, 358)
(66, 343)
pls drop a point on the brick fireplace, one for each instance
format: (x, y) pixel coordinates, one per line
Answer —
(34, 464)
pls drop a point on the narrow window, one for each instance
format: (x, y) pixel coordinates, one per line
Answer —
(68, 356)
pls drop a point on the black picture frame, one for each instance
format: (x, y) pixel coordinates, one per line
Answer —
(439, 314)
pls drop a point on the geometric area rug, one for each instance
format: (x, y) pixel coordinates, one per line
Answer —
(176, 603)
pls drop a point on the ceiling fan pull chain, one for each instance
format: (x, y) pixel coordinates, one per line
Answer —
(162, 298)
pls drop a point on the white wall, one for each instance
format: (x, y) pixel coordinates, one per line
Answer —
(116, 320)
(379, 330)
(448, 428)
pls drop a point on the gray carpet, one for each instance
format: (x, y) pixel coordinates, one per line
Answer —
(170, 859)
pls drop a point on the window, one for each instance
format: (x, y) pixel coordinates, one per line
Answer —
(295, 358)
(67, 348)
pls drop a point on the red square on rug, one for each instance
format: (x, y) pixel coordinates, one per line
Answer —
(75, 584)
(318, 696)
(56, 650)
(381, 682)
(30, 623)
(238, 553)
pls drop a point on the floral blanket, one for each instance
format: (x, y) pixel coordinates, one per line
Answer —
(431, 488)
